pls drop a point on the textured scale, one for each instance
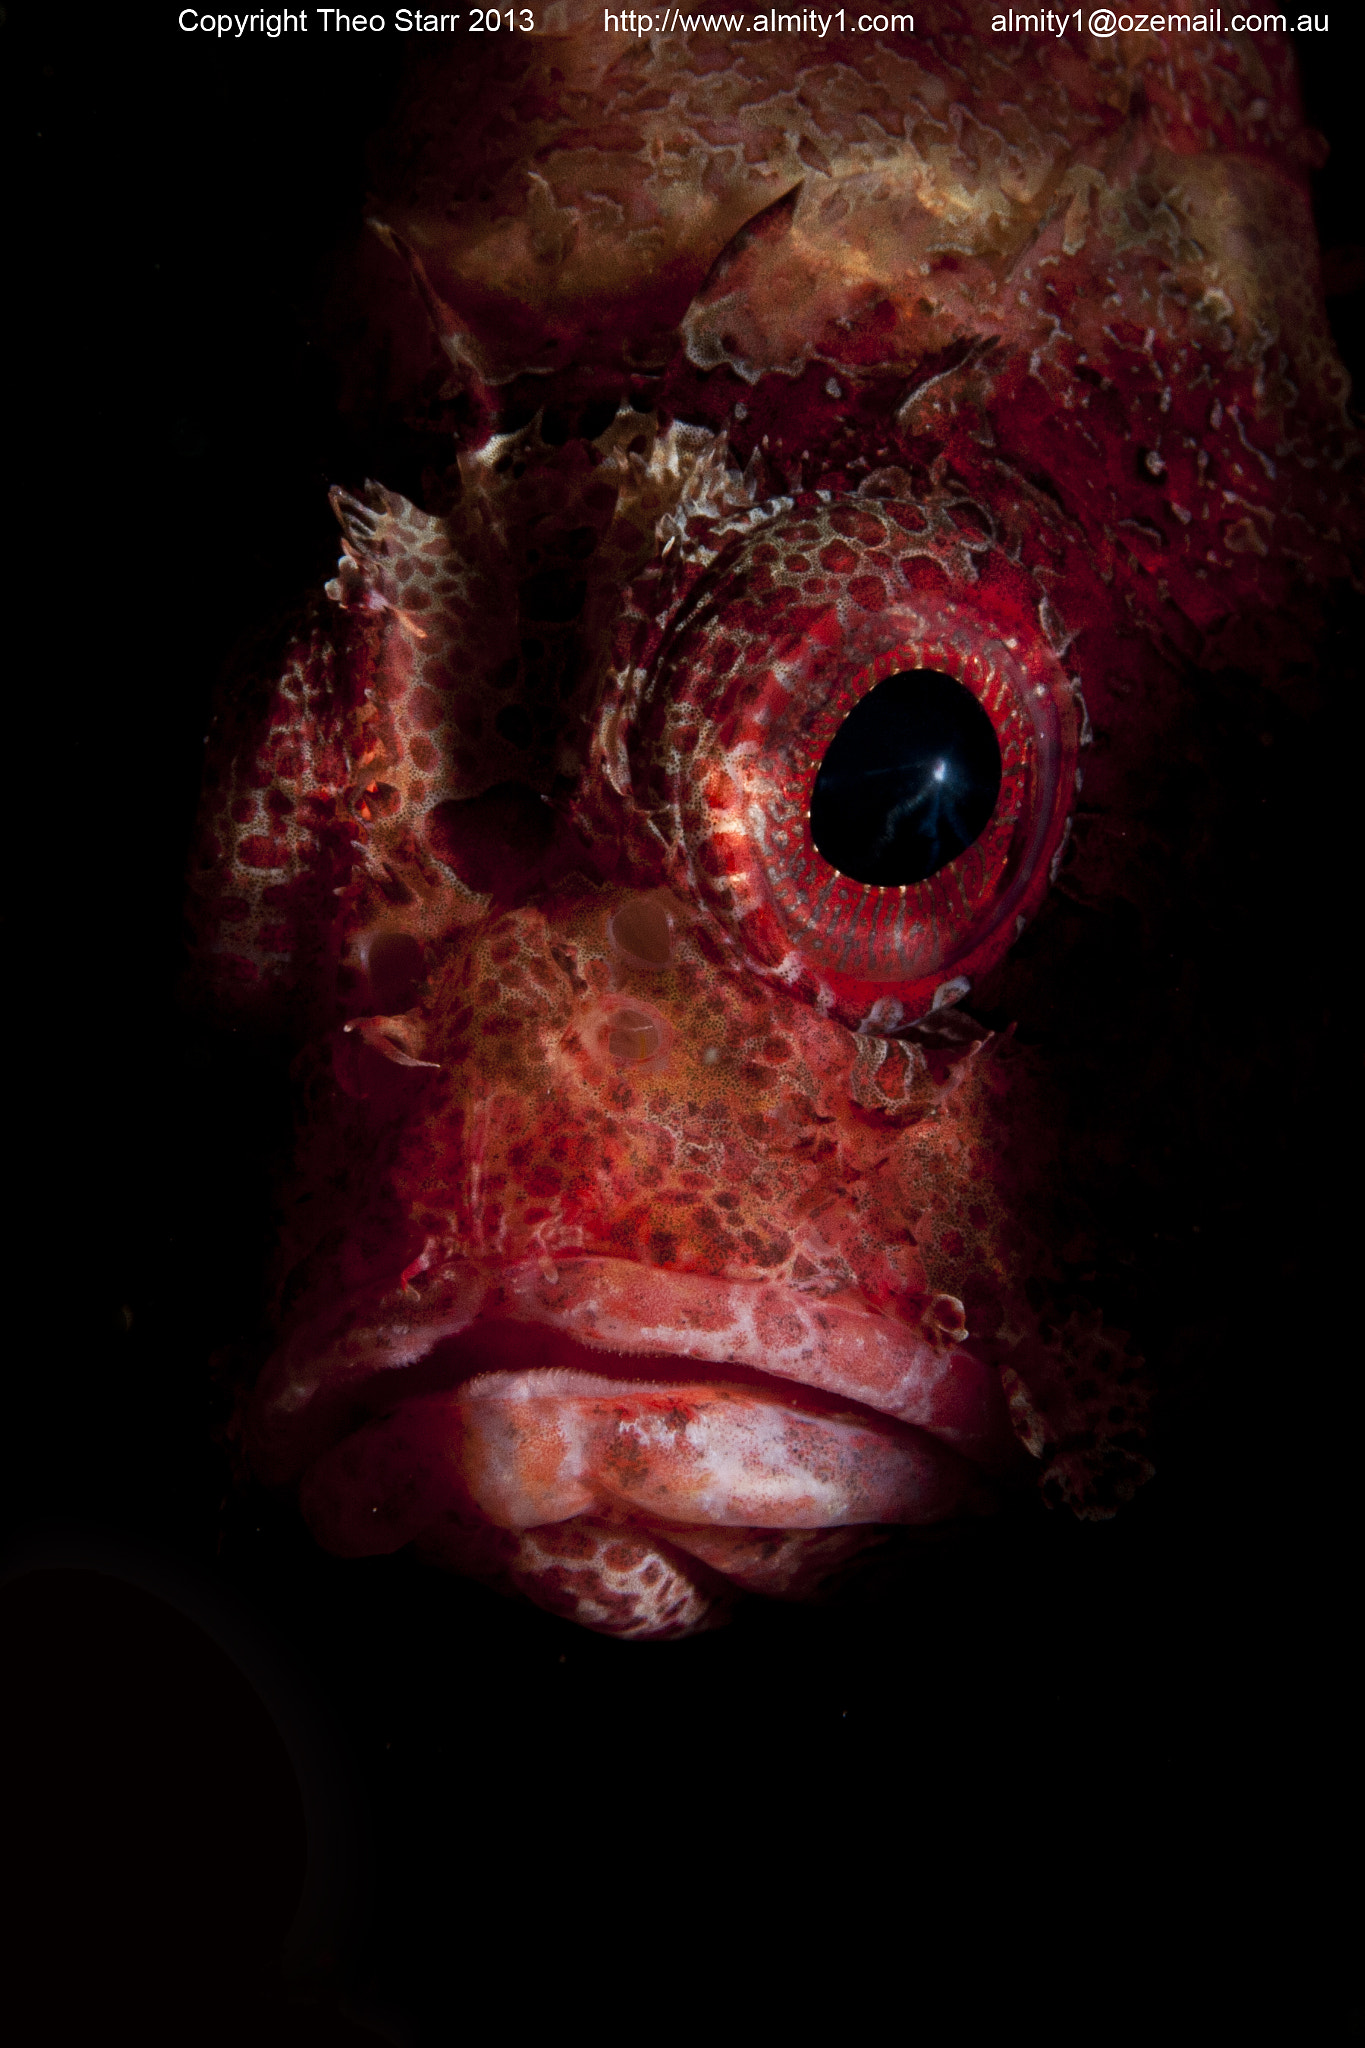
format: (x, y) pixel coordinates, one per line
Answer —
(663, 1223)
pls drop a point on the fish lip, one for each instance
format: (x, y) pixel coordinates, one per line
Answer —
(324, 1377)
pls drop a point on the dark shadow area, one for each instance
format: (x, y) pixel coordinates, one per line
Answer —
(168, 1878)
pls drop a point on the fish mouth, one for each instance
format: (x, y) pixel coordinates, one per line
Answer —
(540, 1392)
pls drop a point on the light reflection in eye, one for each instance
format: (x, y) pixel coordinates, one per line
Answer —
(909, 781)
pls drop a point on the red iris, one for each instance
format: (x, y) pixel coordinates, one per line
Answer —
(766, 657)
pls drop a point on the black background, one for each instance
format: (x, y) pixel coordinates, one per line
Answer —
(1083, 1779)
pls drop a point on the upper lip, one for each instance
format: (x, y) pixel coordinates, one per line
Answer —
(363, 1353)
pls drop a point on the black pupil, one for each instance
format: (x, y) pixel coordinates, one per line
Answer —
(909, 781)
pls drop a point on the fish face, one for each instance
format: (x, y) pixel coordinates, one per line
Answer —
(655, 838)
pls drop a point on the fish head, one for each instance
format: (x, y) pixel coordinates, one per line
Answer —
(878, 474)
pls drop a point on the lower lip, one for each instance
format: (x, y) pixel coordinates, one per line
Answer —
(544, 1436)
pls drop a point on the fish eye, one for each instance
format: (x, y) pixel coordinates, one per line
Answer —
(856, 746)
(909, 781)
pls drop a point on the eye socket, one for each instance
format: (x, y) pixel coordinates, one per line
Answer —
(842, 648)
(908, 782)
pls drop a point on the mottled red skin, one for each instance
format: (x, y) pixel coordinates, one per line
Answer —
(1019, 371)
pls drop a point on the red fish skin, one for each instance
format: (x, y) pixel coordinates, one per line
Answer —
(1023, 373)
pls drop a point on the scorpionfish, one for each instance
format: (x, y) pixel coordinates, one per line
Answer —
(866, 454)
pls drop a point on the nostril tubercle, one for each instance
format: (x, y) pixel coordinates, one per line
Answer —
(640, 929)
(633, 1037)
